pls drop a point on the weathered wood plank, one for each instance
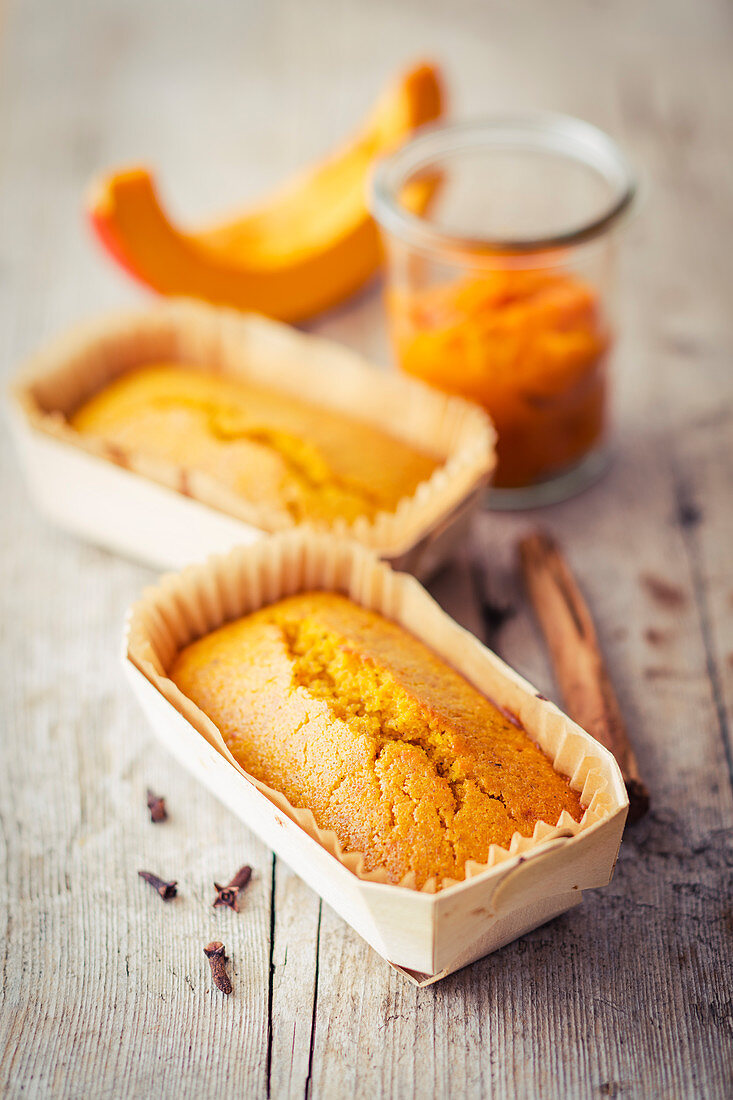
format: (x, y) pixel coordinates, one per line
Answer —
(294, 983)
(704, 479)
(91, 954)
(621, 995)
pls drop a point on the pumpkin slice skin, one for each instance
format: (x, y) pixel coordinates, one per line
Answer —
(306, 249)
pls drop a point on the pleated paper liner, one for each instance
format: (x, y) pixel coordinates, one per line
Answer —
(317, 371)
(187, 605)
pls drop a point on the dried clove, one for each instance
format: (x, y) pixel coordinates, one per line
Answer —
(216, 955)
(156, 805)
(167, 890)
(227, 895)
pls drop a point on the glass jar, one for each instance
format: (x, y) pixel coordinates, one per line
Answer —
(500, 279)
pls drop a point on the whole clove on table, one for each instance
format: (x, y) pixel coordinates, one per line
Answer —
(227, 895)
(216, 954)
(156, 805)
(167, 890)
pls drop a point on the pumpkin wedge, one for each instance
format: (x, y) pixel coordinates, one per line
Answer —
(307, 248)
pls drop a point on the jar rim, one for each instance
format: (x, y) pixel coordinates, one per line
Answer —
(544, 131)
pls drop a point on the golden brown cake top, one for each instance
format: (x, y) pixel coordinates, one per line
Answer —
(261, 444)
(349, 715)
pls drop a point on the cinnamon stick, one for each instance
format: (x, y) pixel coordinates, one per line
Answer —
(576, 656)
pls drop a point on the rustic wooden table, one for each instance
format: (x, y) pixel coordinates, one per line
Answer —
(106, 990)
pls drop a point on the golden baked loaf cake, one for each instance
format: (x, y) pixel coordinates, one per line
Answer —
(349, 715)
(267, 447)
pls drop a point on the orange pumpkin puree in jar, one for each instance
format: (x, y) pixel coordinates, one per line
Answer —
(531, 346)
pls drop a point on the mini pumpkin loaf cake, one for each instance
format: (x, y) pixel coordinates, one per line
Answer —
(265, 446)
(348, 715)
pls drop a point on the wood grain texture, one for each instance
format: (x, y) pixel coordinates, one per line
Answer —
(106, 991)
